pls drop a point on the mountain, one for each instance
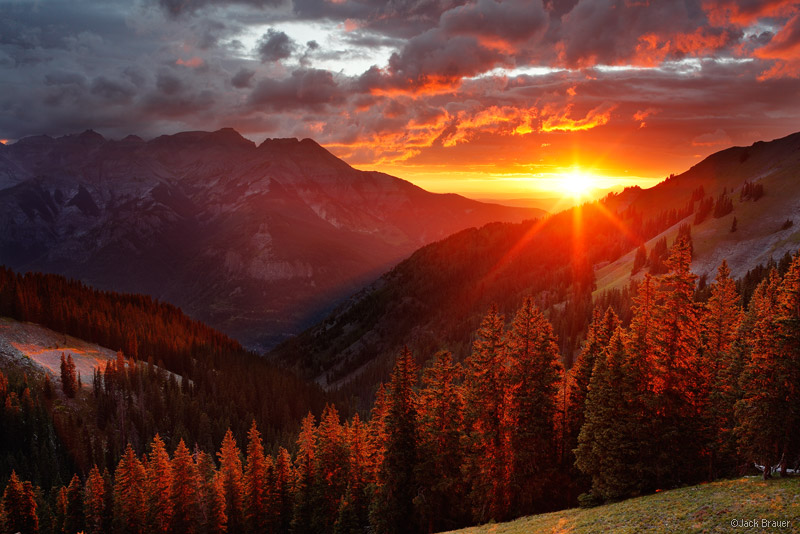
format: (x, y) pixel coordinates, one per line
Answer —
(436, 298)
(258, 241)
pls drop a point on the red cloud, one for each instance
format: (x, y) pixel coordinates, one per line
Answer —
(745, 12)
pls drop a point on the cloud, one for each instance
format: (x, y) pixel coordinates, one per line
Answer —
(311, 89)
(176, 8)
(716, 138)
(784, 47)
(274, 46)
(243, 78)
(560, 120)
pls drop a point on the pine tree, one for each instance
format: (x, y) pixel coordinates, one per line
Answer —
(678, 379)
(68, 378)
(231, 479)
(19, 507)
(74, 519)
(720, 326)
(183, 493)
(442, 494)
(256, 485)
(758, 410)
(610, 446)
(305, 475)
(331, 470)
(283, 490)
(485, 395)
(535, 372)
(130, 512)
(94, 503)
(599, 334)
(212, 502)
(159, 483)
(640, 260)
(393, 508)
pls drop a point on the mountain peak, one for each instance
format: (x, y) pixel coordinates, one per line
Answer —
(225, 138)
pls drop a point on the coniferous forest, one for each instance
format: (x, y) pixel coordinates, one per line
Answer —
(691, 386)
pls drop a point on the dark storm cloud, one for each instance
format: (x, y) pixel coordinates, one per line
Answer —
(243, 78)
(274, 46)
(179, 7)
(305, 88)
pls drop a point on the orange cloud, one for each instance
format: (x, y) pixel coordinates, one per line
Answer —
(561, 122)
(784, 48)
(192, 63)
(641, 115)
(3, 141)
(721, 12)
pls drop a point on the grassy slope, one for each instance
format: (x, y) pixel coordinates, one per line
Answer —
(704, 508)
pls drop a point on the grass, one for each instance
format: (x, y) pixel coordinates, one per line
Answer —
(704, 508)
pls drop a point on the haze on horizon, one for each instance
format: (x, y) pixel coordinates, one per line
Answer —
(490, 99)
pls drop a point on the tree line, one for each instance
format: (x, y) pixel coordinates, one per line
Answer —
(688, 391)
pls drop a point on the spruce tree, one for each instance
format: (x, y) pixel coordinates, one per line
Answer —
(19, 507)
(183, 493)
(599, 334)
(256, 485)
(305, 475)
(534, 375)
(69, 384)
(231, 475)
(486, 388)
(760, 413)
(159, 484)
(74, 518)
(720, 326)
(442, 494)
(130, 507)
(393, 507)
(331, 471)
(94, 503)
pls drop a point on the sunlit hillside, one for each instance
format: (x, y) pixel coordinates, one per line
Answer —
(708, 508)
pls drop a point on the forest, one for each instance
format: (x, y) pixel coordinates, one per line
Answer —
(694, 386)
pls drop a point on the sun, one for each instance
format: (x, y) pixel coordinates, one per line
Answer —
(576, 183)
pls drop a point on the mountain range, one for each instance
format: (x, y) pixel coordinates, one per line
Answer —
(257, 240)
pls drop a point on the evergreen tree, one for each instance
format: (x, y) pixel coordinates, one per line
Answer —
(283, 490)
(442, 494)
(535, 372)
(640, 260)
(231, 480)
(305, 475)
(130, 511)
(183, 493)
(212, 502)
(599, 334)
(256, 485)
(758, 410)
(74, 518)
(331, 470)
(393, 508)
(159, 484)
(69, 382)
(19, 507)
(485, 396)
(94, 503)
(610, 446)
(720, 326)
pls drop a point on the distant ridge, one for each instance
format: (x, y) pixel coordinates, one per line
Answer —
(257, 240)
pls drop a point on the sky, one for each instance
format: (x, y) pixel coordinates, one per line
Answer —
(485, 98)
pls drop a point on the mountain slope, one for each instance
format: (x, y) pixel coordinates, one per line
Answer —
(706, 508)
(436, 298)
(759, 234)
(255, 240)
